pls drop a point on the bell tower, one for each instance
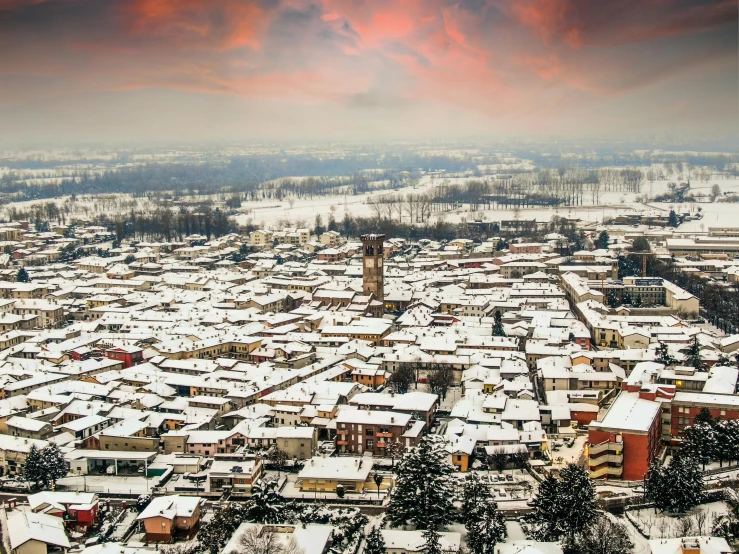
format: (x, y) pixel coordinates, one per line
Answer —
(373, 271)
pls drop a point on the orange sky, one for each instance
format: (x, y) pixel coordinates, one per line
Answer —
(296, 69)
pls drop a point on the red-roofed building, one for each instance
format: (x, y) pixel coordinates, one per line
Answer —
(129, 355)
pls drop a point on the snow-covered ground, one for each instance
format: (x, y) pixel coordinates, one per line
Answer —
(664, 526)
(611, 203)
(569, 454)
(271, 212)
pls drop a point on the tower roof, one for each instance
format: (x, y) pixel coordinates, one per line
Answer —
(373, 236)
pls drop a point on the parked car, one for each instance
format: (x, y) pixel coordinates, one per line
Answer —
(13, 485)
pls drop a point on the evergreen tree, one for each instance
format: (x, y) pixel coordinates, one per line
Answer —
(693, 355)
(498, 330)
(485, 528)
(53, 464)
(663, 355)
(43, 467)
(431, 542)
(265, 505)
(32, 471)
(640, 244)
(611, 298)
(214, 535)
(654, 483)
(318, 227)
(603, 240)
(727, 440)
(723, 359)
(374, 544)
(22, 276)
(578, 495)
(423, 492)
(699, 442)
(545, 504)
(626, 298)
(563, 507)
(676, 487)
(277, 457)
(475, 492)
(704, 416)
(708, 440)
(673, 221)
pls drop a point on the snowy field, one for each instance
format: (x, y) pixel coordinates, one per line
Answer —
(664, 526)
(303, 211)
(266, 213)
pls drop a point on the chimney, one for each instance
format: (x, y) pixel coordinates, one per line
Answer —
(392, 419)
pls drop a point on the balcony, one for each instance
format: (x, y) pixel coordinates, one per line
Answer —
(385, 435)
(381, 444)
(606, 458)
(342, 443)
(607, 471)
(342, 431)
(606, 446)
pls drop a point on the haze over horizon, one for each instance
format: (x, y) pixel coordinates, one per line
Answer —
(157, 70)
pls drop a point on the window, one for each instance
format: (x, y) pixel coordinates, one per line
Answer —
(369, 432)
(370, 443)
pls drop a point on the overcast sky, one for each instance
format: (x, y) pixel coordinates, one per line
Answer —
(201, 70)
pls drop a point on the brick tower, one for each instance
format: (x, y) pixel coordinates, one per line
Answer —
(373, 272)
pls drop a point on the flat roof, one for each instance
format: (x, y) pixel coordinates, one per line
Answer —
(629, 412)
(110, 455)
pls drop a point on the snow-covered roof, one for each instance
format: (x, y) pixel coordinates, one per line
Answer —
(29, 526)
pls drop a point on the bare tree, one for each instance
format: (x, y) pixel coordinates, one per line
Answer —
(262, 539)
(684, 527)
(375, 206)
(394, 450)
(604, 536)
(180, 548)
(700, 518)
(715, 192)
(663, 526)
(498, 459)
